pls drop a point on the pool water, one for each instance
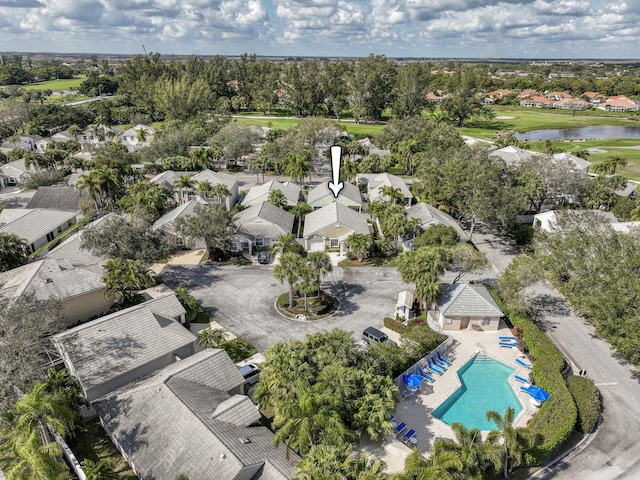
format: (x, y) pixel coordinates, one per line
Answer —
(484, 387)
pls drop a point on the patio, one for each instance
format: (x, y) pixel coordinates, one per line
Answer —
(415, 410)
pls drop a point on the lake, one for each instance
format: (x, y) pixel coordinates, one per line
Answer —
(581, 133)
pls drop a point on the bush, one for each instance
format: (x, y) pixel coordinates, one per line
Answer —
(556, 418)
(239, 349)
(587, 398)
(44, 178)
(396, 325)
(396, 170)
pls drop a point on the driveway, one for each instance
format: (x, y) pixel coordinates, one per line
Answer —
(242, 299)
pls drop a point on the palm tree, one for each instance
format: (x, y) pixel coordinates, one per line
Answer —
(428, 290)
(184, 184)
(204, 189)
(392, 194)
(300, 210)
(220, 191)
(307, 282)
(298, 166)
(13, 252)
(74, 130)
(189, 303)
(91, 183)
(360, 244)
(289, 270)
(284, 244)
(395, 224)
(514, 440)
(123, 277)
(277, 198)
(413, 224)
(211, 338)
(349, 170)
(610, 165)
(110, 183)
(581, 153)
(473, 452)
(321, 264)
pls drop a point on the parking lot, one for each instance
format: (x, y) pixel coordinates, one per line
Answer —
(242, 299)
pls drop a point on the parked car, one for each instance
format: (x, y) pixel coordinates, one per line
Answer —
(372, 336)
(250, 372)
(263, 257)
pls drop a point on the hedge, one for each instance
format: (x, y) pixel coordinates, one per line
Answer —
(587, 398)
(396, 325)
(557, 416)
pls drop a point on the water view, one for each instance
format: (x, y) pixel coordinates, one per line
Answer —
(581, 133)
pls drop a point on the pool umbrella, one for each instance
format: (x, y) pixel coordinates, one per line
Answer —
(538, 393)
(412, 380)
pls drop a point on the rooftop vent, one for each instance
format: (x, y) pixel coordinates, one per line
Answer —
(47, 280)
(245, 440)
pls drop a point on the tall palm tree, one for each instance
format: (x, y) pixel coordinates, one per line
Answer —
(13, 252)
(349, 170)
(298, 166)
(124, 277)
(610, 166)
(110, 183)
(474, 453)
(284, 244)
(395, 224)
(413, 224)
(514, 440)
(359, 244)
(392, 194)
(90, 182)
(289, 270)
(204, 189)
(321, 265)
(184, 184)
(220, 191)
(307, 283)
(300, 210)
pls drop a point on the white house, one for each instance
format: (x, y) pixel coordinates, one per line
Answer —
(330, 226)
(137, 137)
(37, 226)
(260, 225)
(376, 181)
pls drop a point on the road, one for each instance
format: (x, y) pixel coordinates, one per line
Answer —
(613, 452)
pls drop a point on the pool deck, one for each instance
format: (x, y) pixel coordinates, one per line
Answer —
(416, 409)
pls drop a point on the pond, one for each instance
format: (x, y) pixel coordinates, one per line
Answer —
(581, 133)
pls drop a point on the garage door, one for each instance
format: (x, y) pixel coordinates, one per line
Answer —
(316, 245)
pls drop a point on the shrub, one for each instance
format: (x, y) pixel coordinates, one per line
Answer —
(396, 170)
(556, 418)
(396, 325)
(587, 398)
(44, 178)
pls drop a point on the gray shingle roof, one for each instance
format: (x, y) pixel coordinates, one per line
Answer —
(264, 221)
(215, 178)
(512, 155)
(429, 215)
(321, 195)
(112, 345)
(172, 422)
(335, 213)
(462, 299)
(37, 223)
(58, 198)
(49, 278)
(169, 177)
(376, 181)
(167, 221)
(260, 193)
(577, 161)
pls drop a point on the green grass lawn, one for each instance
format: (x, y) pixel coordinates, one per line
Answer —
(526, 119)
(359, 129)
(370, 262)
(239, 349)
(56, 85)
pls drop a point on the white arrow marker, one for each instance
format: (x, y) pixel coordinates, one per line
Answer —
(336, 159)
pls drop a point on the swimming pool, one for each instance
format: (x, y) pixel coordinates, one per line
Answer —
(484, 387)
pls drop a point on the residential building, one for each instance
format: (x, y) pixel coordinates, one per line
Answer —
(112, 351)
(215, 178)
(190, 418)
(571, 104)
(167, 222)
(330, 226)
(260, 193)
(322, 195)
(37, 226)
(463, 306)
(58, 197)
(80, 291)
(13, 173)
(137, 137)
(580, 163)
(536, 101)
(549, 221)
(513, 155)
(376, 181)
(260, 225)
(429, 216)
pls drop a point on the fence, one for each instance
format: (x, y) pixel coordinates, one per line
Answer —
(442, 348)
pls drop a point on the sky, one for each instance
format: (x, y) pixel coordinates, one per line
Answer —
(395, 28)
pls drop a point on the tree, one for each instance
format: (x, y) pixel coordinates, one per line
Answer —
(438, 235)
(464, 104)
(325, 461)
(236, 140)
(610, 166)
(213, 224)
(300, 210)
(277, 198)
(285, 243)
(115, 237)
(423, 267)
(189, 303)
(220, 191)
(26, 324)
(394, 223)
(466, 259)
(13, 252)
(360, 244)
(514, 440)
(211, 338)
(124, 277)
(144, 199)
(96, 470)
(184, 184)
(392, 194)
(289, 270)
(522, 272)
(320, 264)
(298, 166)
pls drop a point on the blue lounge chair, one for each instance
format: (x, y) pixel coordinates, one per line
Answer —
(442, 359)
(438, 363)
(424, 375)
(435, 368)
(508, 344)
(523, 364)
(432, 370)
(408, 436)
(507, 338)
(398, 429)
(521, 379)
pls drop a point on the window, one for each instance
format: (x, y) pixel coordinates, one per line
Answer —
(486, 320)
(59, 229)
(234, 246)
(50, 236)
(69, 223)
(334, 243)
(447, 320)
(259, 242)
